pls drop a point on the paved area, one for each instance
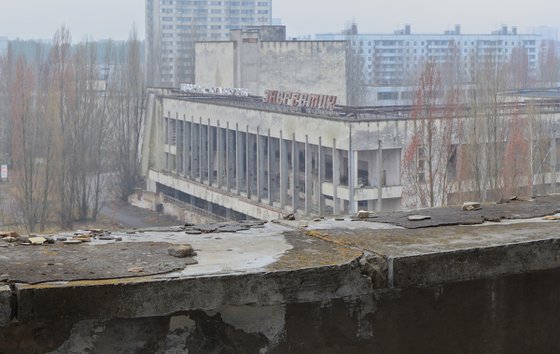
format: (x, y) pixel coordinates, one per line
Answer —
(126, 216)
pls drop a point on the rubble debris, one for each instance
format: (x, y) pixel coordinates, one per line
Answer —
(10, 239)
(37, 240)
(419, 217)
(136, 270)
(82, 238)
(552, 217)
(61, 239)
(181, 251)
(471, 206)
(232, 228)
(72, 242)
(4, 234)
(106, 238)
(364, 214)
(290, 217)
(193, 232)
(23, 239)
(206, 228)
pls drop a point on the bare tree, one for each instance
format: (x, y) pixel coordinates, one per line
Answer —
(426, 157)
(128, 117)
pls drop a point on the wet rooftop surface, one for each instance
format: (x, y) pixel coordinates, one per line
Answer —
(257, 247)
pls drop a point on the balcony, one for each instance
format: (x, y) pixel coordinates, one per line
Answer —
(363, 193)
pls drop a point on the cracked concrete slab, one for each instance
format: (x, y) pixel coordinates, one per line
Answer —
(456, 253)
(449, 216)
(59, 262)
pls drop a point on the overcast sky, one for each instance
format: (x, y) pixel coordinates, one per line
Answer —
(114, 18)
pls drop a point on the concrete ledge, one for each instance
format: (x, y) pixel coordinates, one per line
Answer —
(5, 305)
(144, 297)
(399, 258)
(477, 263)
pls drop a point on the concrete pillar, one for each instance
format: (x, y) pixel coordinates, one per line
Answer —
(320, 177)
(201, 151)
(186, 136)
(352, 180)
(372, 174)
(192, 152)
(308, 178)
(379, 175)
(283, 165)
(210, 156)
(248, 154)
(219, 155)
(260, 166)
(336, 178)
(238, 166)
(177, 138)
(168, 142)
(269, 168)
(295, 174)
(228, 159)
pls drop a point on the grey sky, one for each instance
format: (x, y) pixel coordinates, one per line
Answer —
(114, 18)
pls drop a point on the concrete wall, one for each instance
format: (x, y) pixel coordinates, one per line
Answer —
(215, 64)
(304, 66)
(299, 66)
(515, 314)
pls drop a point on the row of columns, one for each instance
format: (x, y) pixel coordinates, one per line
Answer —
(260, 167)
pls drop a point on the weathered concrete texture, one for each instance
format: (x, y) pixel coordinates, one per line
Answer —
(490, 288)
(5, 305)
(80, 262)
(421, 257)
(513, 314)
(448, 216)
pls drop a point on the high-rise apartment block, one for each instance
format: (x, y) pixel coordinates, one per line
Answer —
(391, 62)
(173, 27)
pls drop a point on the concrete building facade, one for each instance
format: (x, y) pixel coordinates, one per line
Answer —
(173, 26)
(242, 157)
(263, 160)
(391, 62)
(257, 61)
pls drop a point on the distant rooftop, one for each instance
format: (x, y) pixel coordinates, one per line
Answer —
(547, 100)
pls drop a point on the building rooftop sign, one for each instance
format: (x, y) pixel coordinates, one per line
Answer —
(296, 99)
(215, 90)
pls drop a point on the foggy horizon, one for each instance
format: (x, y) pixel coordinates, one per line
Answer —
(104, 19)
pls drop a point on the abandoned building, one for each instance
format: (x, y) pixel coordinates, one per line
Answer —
(242, 157)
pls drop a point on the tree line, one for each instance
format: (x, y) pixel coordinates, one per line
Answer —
(470, 141)
(72, 121)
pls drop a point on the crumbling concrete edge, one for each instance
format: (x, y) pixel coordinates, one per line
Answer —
(473, 264)
(160, 297)
(7, 305)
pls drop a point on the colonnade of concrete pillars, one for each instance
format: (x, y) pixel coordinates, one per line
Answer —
(254, 165)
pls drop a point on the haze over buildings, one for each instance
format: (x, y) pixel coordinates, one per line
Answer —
(173, 27)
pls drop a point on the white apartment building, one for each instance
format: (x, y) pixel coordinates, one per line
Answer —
(391, 62)
(173, 27)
